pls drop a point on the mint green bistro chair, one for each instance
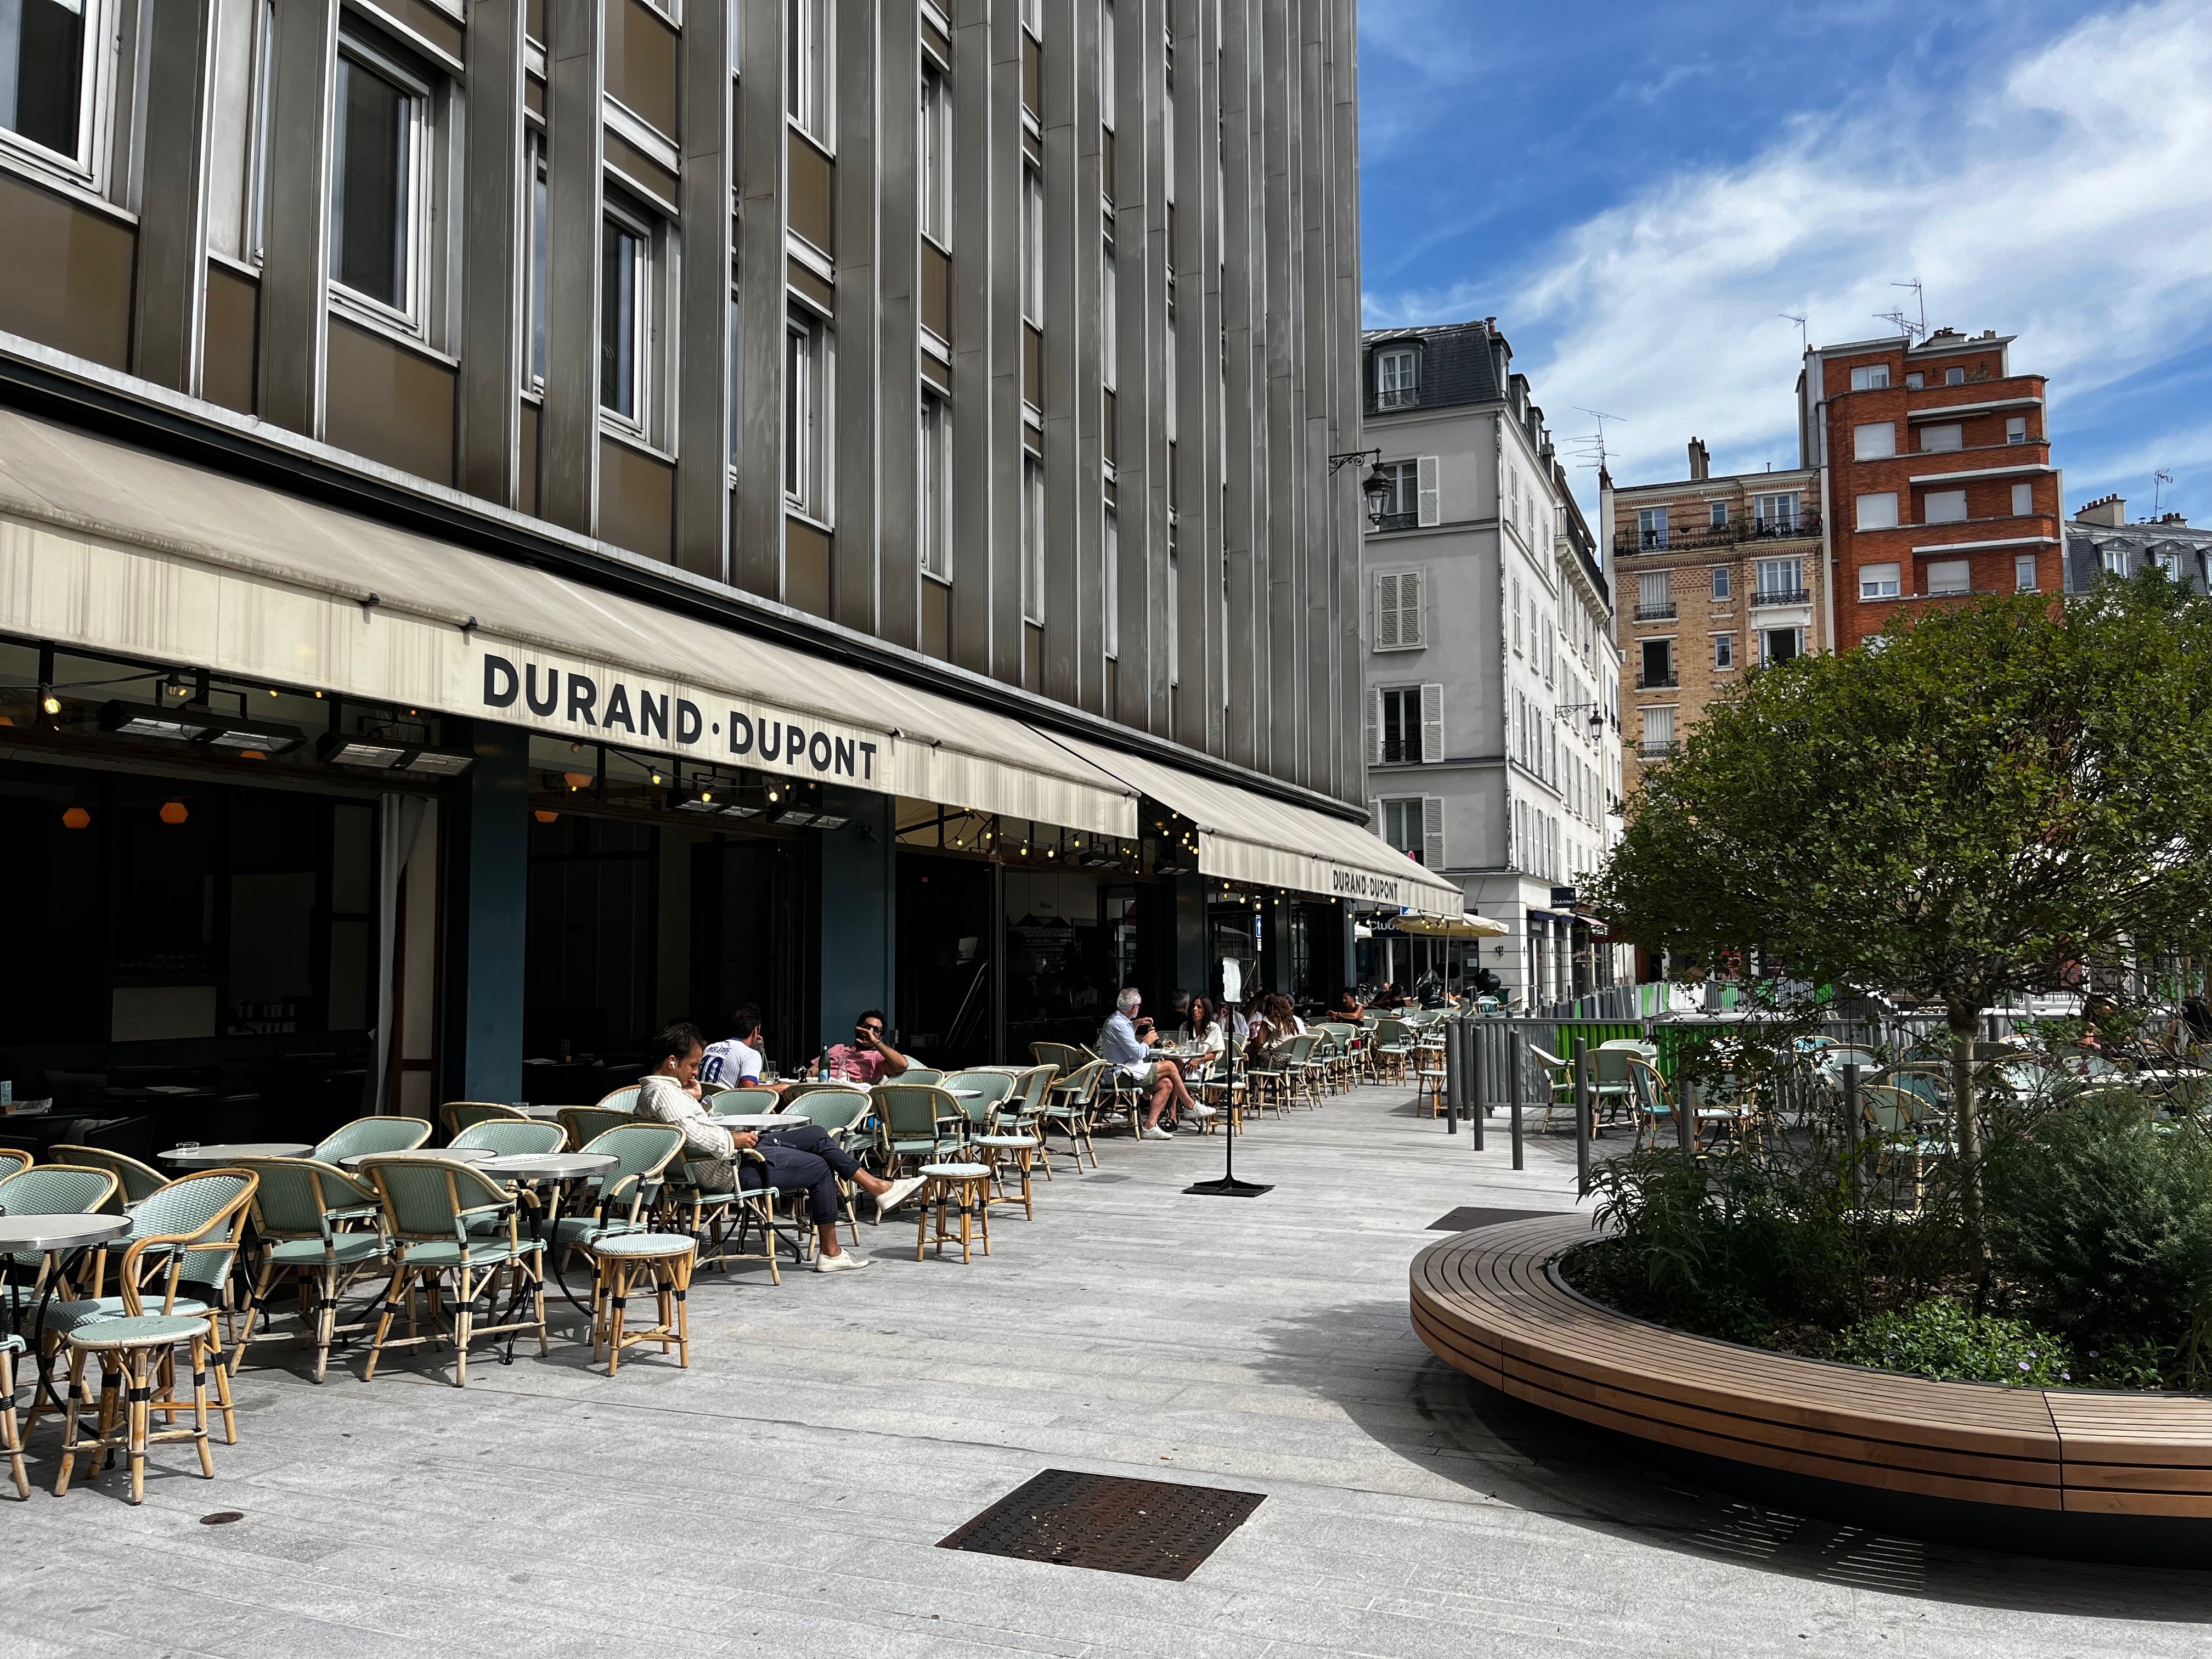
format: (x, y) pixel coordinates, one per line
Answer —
(585, 1124)
(918, 1122)
(510, 1138)
(1070, 1105)
(372, 1134)
(320, 1229)
(456, 1115)
(1014, 1139)
(617, 1200)
(843, 1114)
(429, 1204)
(624, 1100)
(922, 1074)
(55, 1189)
(197, 1218)
(14, 1160)
(138, 1180)
(11, 1432)
(626, 1263)
(742, 1099)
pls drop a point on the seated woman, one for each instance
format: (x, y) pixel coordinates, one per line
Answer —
(1201, 1029)
(1349, 1010)
(802, 1156)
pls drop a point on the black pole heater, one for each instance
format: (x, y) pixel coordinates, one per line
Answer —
(1582, 1116)
(1229, 1185)
(1513, 1089)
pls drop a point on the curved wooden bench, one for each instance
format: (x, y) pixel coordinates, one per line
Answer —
(1486, 1302)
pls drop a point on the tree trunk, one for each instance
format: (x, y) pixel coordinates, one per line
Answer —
(1966, 1023)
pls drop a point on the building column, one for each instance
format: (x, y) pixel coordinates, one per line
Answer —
(295, 264)
(857, 921)
(897, 295)
(488, 872)
(1192, 972)
(171, 286)
(575, 212)
(860, 394)
(705, 374)
(494, 233)
(763, 313)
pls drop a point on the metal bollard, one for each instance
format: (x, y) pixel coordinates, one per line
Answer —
(1478, 1045)
(1513, 1089)
(1686, 1116)
(1851, 1124)
(1582, 1116)
(1451, 1077)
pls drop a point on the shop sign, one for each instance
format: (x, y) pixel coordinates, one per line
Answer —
(655, 714)
(1346, 883)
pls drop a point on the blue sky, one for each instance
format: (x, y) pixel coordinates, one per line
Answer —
(1638, 193)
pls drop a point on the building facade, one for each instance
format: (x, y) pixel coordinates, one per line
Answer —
(1936, 478)
(526, 521)
(1493, 667)
(1717, 575)
(2100, 542)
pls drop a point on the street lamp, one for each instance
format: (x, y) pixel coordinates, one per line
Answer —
(1378, 487)
(1596, 716)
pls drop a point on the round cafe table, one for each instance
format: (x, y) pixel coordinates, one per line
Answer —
(756, 1120)
(209, 1157)
(64, 1238)
(477, 1155)
(554, 1170)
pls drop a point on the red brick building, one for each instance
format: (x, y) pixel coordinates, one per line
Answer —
(1936, 475)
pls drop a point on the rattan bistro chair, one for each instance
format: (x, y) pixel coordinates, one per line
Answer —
(585, 1124)
(458, 1114)
(428, 1203)
(136, 1179)
(1013, 1139)
(373, 1134)
(920, 1121)
(508, 1139)
(317, 1227)
(206, 1211)
(53, 1189)
(1070, 1104)
(14, 1160)
(11, 1431)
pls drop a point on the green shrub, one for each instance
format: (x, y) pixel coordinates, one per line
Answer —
(1942, 1338)
(2104, 1223)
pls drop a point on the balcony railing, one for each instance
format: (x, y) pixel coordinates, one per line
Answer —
(1781, 596)
(1397, 521)
(1649, 750)
(1654, 613)
(1404, 397)
(1694, 538)
(1401, 751)
(1669, 683)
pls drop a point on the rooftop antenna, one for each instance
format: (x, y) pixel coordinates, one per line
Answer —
(1905, 324)
(1804, 334)
(2160, 480)
(1601, 417)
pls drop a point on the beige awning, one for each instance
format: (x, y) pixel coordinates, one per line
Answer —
(1244, 836)
(1467, 926)
(118, 550)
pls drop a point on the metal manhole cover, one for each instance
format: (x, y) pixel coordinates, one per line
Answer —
(1150, 1528)
(1468, 1219)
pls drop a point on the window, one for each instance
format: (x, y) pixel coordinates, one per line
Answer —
(1876, 441)
(806, 42)
(1943, 507)
(43, 65)
(1954, 377)
(1776, 514)
(1652, 598)
(1398, 611)
(806, 372)
(1950, 576)
(1722, 581)
(1401, 506)
(2023, 573)
(621, 319)
(1410, 725)
(1779, 581)
(935, 160)
(1033, 551)
(2115, 560)
(2023, 500)
(1651, 526)
(1397, 378)
(1516, 614)
(1109, 574)
(1723, 652)
(1415, 827)
(1880, 581)
(371, 214)
(1878, 512)
(1780, 645)
(2015, 428)
(1915, 381)
(1937, 439)
(933, 500)
(1717, 514)
(1658, 662)
(2169, 562)
(1109, 59)
(1658, 730)
(1110, 317)
(1875, 378)
(537, 265)
(1032, 244)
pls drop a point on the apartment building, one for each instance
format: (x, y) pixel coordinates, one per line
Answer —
(2101, 543)
(1936, 478)
(1717, 575)
(527, 519)
(1493, 670)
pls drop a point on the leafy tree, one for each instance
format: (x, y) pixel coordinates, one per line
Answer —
(1971, 807)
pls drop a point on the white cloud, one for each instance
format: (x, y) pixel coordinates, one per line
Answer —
(2064, 196)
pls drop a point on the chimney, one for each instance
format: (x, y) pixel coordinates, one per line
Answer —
(2179, 519)
(1701, 463)
(2110, 511)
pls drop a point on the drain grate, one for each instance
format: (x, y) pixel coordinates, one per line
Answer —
(1150, 1528)
(1466, 1220)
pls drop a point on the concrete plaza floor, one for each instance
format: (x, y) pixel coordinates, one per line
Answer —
(786, 1493)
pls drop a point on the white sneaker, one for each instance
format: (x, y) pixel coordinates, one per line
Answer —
(843, 1262)
(898, 1194)
(1202, 1110)
(1156, 1134)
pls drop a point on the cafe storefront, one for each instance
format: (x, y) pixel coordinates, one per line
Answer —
(423, 822)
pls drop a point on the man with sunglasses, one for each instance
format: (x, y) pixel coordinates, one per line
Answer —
(867, 1058)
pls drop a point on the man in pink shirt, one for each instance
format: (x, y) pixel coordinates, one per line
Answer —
(867, 1058)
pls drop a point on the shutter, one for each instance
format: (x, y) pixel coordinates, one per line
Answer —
(1386, 613)
(1432, 723)
(1375, 815)
(1432, 832)
(1429, 498)
(1374, 726)
(1409, 608)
